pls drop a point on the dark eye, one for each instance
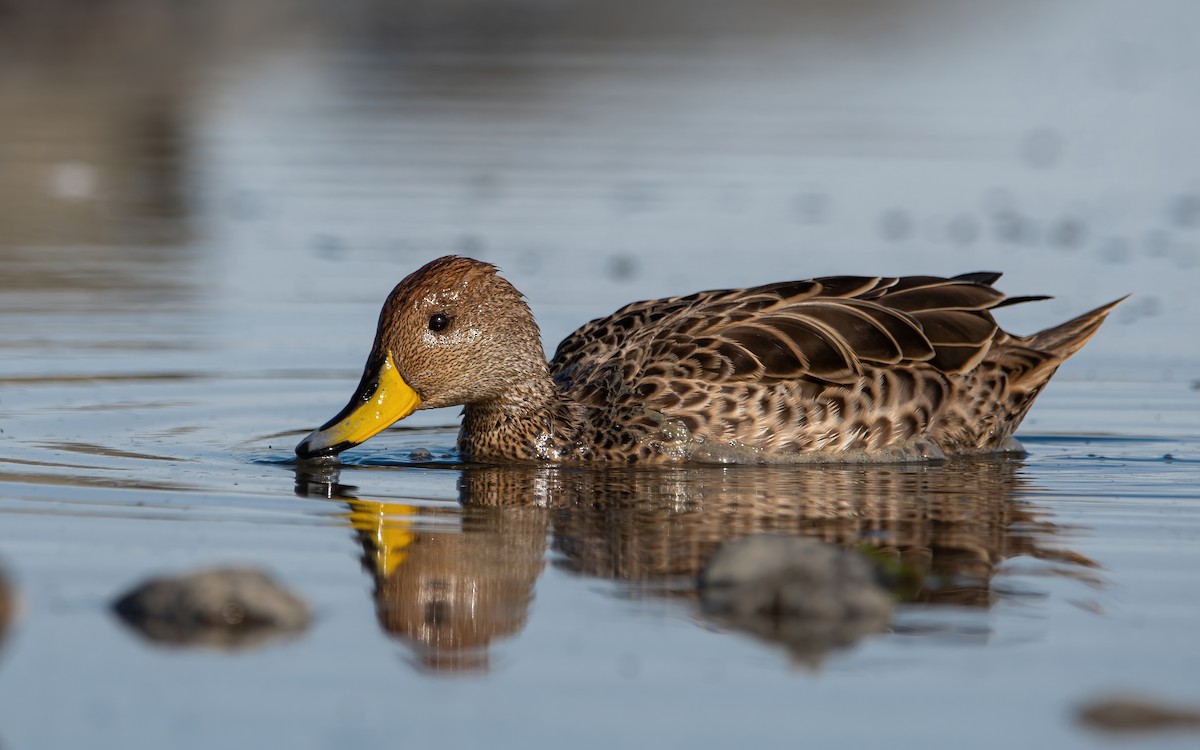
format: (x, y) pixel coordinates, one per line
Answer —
(439, 322)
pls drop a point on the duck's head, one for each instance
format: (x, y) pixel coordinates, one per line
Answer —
(454, 332)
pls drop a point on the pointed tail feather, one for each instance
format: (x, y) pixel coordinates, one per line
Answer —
(1065, 339)
(1032, 360)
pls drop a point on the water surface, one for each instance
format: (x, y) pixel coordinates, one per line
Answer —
(200, 215)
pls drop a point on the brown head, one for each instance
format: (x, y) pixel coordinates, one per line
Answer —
(451, 333)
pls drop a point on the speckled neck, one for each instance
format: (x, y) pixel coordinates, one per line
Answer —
(529, 423)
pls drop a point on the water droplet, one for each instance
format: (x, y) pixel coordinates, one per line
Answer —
(735, 197)
(636, 197)
(1158, 244)
(1185, 210)
(530, 262)
(1185, 256)
(895, 225)
(245, 205)
(1115, 250)
(485, 187)
(1011, 227)
(998, 200)
(1140, 307)
(811, 208)
(1067, 233)
(621, 267)
(1041, 148)
(963, 229)
(328, 247)
(470, 245)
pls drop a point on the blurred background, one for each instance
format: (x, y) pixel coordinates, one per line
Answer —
(203, 205)
(288, 161)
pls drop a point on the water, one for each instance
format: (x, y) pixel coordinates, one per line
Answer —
(200, 215)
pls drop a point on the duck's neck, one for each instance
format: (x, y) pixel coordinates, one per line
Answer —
(524, 424)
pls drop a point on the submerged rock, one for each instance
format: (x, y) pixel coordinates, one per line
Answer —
(806, 594)
(8, 606)
(228, 608)
(1133, 714)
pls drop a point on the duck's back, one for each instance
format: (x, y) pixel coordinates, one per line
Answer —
(860, 367)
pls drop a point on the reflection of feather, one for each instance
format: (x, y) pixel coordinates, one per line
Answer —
(450, 581)
(950, 523)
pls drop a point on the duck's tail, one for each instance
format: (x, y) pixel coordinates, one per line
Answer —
(1065, 339)
(1031, 360)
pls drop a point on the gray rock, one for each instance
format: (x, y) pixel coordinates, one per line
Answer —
(421, 455)
(229, 608)
(801, 592)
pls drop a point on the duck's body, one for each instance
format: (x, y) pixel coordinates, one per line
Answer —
(837, 368)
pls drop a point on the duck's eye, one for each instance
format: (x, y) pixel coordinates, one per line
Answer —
(439, 322)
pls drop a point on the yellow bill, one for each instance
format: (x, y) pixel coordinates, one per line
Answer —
(382, 398)
(389, 529)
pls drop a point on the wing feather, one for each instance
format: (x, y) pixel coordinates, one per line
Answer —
(825, 329)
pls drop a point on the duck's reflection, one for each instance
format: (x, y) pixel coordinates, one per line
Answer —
(451, 592)
(447, 580)
(450, 580)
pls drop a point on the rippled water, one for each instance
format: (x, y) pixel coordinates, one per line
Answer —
(200, 215)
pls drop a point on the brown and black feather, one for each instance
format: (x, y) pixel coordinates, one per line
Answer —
(828, 365)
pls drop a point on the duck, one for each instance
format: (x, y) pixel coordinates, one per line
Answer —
(836, 368)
